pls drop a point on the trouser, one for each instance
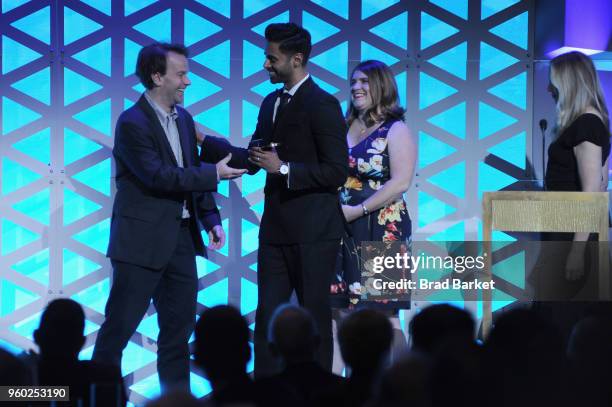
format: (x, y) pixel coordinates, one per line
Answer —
(306, 268)
(174, 293)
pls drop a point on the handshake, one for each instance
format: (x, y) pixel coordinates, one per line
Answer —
(224, 171)
(260, 155)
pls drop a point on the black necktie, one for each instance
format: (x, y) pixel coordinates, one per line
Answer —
(284, 99)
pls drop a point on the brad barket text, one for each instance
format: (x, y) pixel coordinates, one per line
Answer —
(425, 284)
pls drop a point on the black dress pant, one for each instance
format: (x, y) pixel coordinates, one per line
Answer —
(174, 293)
(306, 268)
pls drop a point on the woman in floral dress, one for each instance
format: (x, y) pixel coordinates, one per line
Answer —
(382, 157)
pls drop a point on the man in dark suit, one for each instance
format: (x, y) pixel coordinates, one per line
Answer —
(162, 201)
(301, 224)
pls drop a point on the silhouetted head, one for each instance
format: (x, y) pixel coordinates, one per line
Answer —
(222, 343)
(293, 334)
(365, 339)
(60, 333)
(438, 324)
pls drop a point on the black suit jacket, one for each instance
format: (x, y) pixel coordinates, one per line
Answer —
(312, 135)
(151, 189)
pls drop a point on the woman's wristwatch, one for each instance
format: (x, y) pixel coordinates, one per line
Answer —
(284, 168)
(365, 210)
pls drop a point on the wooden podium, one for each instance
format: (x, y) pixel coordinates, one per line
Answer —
(528, 211)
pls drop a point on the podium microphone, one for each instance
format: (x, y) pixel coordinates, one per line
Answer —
(543, 126)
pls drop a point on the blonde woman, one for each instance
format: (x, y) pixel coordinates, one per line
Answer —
(578, 157)
(577, 161)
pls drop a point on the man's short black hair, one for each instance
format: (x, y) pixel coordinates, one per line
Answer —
(291, 38)
(152, 59)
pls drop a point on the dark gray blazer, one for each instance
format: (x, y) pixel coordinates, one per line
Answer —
(151, 189)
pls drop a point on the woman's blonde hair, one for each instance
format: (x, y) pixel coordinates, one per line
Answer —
(383, 91)
(574, 77)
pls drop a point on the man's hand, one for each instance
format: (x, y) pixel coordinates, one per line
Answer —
(216, 238)
(226, 172)
(266, 159)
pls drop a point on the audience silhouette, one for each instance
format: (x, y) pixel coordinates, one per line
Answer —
(406, 383)
(446, 334)
(590, 357)
(437, 324)
(293, 338)
(523, 361)
(60, 339)
(526, 354)
(222, 351)
(365, 338)
(456, 374)
(13, 371)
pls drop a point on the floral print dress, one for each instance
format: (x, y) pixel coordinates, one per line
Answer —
(369, 169)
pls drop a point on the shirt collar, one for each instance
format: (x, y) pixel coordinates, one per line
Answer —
(297, 85)
(162, 115)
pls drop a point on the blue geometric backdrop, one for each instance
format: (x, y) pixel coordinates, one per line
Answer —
(464, 69)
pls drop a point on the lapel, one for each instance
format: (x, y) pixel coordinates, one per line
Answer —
(184, 138)
(158, 131)
(278, 112)
(267, 109)
(294, 106)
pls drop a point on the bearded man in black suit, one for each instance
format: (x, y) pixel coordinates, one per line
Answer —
(300, 141)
